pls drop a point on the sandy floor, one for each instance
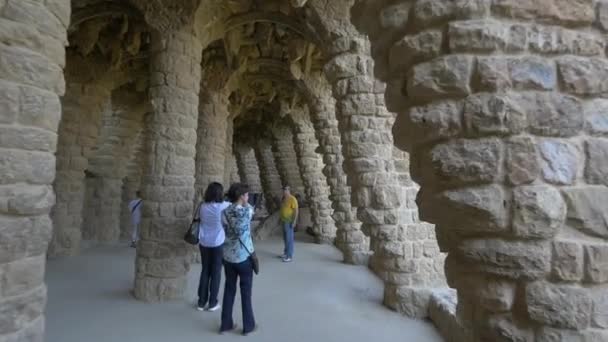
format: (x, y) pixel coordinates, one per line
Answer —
(315, 298)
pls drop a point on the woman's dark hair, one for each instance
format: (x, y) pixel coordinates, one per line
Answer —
(236, 191)
(214, 193)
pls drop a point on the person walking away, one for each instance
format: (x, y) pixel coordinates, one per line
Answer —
(211, 238)
(135, 209)
(289, 218)
(237, 262)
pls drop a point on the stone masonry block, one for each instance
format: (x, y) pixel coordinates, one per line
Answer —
(522, 160)
(587, 209)
(553, 114)
(596, 116)
(466, 161)
(583, 76)
(521, 73)
(560, 161)
(596, 263)
(599, 316)
(486, 35)
(444, 76)
(567, 261)
(596, 171)
(538, 211)
(486, 113)
(511, 259)
(546, 303)
(557, 40)
(413, 49)
(431, 12)
(476, 210)
(576, 12)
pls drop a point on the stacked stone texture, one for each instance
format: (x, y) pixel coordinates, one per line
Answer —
(378, 195)
(501, 107)
(315, 182)
(269, 175)
(168, 180)
(285, 159)
(349, 237)
(231, 170)
(83, 107)
(108, 165)
(131, 184)
(249, 172)
(32, 57)
(211, 140)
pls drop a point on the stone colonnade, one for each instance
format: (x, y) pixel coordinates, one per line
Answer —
(501, 109)
(249, 170)
(285, 158)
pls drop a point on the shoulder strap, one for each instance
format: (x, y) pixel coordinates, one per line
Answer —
(242, 244)
(137, 205)
(197, 213)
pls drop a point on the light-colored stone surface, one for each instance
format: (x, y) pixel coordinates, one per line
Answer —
(31, 82)
(325, 288)
(503, 120)
(168, 179)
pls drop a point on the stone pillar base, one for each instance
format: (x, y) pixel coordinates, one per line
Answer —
(412, 302)
(357, 258)
(153, 290)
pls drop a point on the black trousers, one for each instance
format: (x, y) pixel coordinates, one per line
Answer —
(244, 272)
(211, 275)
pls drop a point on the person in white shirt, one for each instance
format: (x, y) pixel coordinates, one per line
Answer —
(211, 240)
(135, 209)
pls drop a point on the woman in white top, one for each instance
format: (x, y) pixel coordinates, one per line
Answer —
(211, 239)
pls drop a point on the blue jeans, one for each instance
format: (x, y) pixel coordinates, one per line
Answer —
(243, 271)
(288, 239)
(211, 275)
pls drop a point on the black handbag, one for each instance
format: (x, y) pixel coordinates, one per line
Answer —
(255, 263)
(191, 236)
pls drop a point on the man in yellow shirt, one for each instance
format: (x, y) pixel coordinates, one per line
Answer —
(289, 218)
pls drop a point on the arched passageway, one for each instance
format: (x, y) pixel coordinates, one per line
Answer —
(495, 106)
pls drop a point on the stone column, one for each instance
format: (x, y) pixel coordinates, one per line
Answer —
(83, 108)
(168, 179)
(502, 109)
(378, 195)
(269, 175)
(108, 167)
(315, 183)
(211, 140)
(285, 159)
(32, 58)
(230, 168)
(349, 237)
(249, 171)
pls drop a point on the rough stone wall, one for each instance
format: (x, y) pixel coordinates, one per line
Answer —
(315, 183)
(285, 159)
(249, 172)
(108, 166)
(83, 108)
(349, 237)
(269, 175)
(502, 112)
(211, 140)
(168, 180)
(32, 56)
